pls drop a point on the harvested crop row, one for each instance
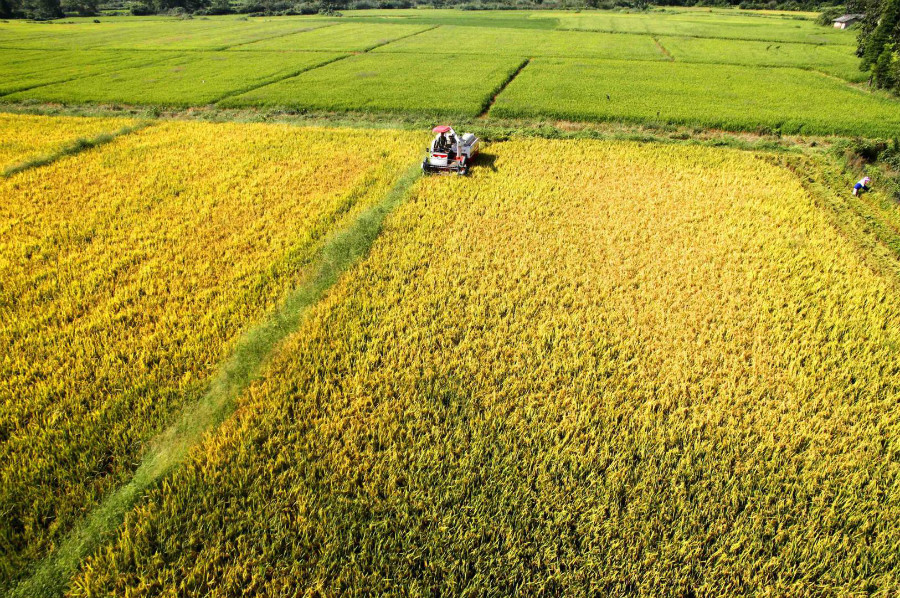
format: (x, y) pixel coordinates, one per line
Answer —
(27, 138)
(127, 274)
(664, 370)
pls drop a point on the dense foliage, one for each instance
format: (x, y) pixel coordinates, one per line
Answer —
(879, 41)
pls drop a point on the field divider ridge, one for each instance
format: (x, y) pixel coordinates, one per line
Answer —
(291, 75)
(396, 39)
(662, 48)
(486, 107)
(75, 147)
(169, 449)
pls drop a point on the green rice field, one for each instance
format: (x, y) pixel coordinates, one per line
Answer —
(773, 71)
(390, 83)
(188, 79)
(733, 97)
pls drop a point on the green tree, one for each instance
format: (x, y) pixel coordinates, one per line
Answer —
(42, 9)
(10, 8)
(879, 40)
(85, 8)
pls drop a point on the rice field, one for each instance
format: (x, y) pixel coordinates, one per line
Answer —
(709, 24)
(732, 68)
(663, 372)
(525, 42)
(246, 358)
(127, 272)
(352, 37)
(840, 61)
(390, 83)
(23, 70)
(27, 138)
(734, 98)
(190, 79)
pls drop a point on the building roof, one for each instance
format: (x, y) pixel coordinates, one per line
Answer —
(848, 18)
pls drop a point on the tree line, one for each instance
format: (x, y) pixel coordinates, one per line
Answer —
(879, 41)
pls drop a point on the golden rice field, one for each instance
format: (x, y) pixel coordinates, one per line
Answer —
(126, 274)
(592, 368)
(25, 137)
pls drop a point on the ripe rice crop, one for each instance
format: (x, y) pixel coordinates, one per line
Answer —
(351, 37)
(835, 60)
(126, 275)
(526, 42)
(390, 83)
(732, 97)
(27, 137)
(191, 79)
(593, 368)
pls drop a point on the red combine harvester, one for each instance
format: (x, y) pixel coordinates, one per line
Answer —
(448, 153)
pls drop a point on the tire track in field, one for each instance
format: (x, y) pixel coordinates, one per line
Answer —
(662, 49)
(172, 447)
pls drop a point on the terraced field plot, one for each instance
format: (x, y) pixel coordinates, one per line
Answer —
(390, 83)
(218, 37)
(724, 24)
(191, 79)
(352, 37)
(81, 36)
(126, 274)
(839, 61)
(24, 69)
(29, 137)
(550, 380)
(525, 42)
(734, 97)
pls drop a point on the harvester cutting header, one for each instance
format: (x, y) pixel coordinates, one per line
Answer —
(449, 153)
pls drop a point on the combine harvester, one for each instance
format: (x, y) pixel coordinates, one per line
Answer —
(448, 153)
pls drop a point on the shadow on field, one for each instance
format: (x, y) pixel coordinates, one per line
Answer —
(485, 160)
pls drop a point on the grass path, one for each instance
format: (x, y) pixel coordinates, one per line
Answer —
(70, 149)
(170, 448)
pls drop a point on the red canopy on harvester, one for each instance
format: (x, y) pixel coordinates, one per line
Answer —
(441, 129)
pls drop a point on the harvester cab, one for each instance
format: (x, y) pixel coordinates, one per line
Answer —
(450, 153)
